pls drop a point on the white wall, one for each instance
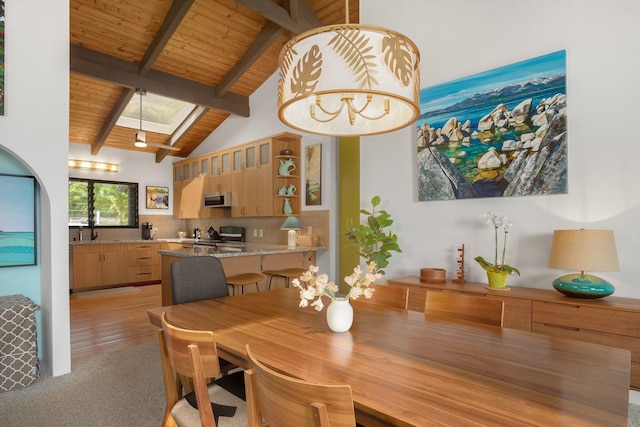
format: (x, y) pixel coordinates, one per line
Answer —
(34, 131)
(458, 38)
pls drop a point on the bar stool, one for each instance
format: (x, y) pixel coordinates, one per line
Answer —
(286, 273)
(241, 280)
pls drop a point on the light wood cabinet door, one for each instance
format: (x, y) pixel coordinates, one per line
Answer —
(99, 265)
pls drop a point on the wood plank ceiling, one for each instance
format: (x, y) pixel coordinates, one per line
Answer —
(213, 53)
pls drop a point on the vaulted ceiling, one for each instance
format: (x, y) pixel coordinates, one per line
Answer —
(212, 53)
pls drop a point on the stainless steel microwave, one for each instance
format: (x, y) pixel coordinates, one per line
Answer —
(221, 199)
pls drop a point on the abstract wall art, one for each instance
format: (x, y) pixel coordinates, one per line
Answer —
(499, 133)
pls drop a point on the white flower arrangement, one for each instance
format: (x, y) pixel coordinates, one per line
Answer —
(498, 222)
(313, 285)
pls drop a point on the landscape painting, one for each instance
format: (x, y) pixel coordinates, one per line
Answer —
(499, 133)
(17, 221)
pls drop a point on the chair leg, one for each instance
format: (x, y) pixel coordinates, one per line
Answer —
(269, 284)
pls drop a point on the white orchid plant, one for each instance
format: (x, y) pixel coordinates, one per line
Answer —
(313, 285)
(498, 222)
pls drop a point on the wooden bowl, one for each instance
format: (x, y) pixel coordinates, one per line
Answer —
(286, 152)
(433, 275)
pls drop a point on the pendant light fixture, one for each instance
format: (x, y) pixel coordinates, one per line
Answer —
(141, 136)
(349, 80)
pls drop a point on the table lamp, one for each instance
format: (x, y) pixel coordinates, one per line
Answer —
(292, 224)
(583, 250)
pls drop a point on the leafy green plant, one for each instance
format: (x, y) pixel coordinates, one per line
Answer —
(373, 242)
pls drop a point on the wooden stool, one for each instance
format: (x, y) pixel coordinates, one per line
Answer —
(286, 273)
(244, 279)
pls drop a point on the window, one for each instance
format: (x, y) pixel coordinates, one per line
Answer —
(98, 204)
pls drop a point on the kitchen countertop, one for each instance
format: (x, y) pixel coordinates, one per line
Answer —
(120, 241)
(237, 249)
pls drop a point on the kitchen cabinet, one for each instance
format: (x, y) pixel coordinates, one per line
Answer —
(249, 171)
(143, 262)
(98, 265)
(188, 199)
(612, 321)
(251, 180)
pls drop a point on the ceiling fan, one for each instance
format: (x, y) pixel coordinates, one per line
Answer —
(141, 136)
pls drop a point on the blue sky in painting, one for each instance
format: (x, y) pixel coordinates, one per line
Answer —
(16, 199)
(445, 94)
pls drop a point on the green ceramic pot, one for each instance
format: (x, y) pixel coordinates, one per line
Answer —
(497, 279)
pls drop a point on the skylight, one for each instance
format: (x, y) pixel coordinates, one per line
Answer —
(159, 114)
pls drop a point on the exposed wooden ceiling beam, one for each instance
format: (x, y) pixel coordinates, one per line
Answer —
(110, 122)
(281, 16)
(178, 10)
(104, 67)
(266, 38)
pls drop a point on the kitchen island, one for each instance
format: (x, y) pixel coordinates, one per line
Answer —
(240, 258)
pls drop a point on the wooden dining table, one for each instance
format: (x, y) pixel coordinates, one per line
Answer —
(407, 370)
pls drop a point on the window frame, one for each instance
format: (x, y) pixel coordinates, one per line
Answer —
(91, 208)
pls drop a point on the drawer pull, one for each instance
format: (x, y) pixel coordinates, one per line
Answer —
(143, 247)
(569, 328)
(144, 257)
(143, 274)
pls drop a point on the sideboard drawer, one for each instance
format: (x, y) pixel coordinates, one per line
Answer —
(576, 315)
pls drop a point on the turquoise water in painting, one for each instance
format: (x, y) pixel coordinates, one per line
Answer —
(17, 248)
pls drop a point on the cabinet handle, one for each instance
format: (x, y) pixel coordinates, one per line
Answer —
(143, 247)
(144, 257)
(568, 328)
(143, 274)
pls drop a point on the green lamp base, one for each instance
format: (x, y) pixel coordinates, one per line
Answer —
(583, 286)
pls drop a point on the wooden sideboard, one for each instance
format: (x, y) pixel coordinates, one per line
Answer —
(612, 321)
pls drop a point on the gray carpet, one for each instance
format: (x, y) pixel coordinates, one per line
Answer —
(119, 388)
(634, 415)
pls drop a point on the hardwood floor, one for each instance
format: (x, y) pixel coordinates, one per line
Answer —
(112, 321)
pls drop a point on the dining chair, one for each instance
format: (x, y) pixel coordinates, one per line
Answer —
(468, 308)
(388, 296)
(283, 401)
(189, 362)
(197, 278)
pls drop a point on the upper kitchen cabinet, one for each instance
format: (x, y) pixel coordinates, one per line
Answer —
(256, 173)
(251, 180)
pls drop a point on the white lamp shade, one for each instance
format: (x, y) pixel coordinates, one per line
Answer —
(584, 250)
(374, 68)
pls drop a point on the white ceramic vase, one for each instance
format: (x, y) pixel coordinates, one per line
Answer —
(340, 315)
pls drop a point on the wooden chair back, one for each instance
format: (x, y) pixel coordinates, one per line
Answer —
(189, 359)
(283, 401)
(388, 296)
(468, 308)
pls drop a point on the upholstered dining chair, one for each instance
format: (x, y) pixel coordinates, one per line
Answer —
(388, 296)
(468, 308)
(197, 278)
(189, 361)
(283, 401)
